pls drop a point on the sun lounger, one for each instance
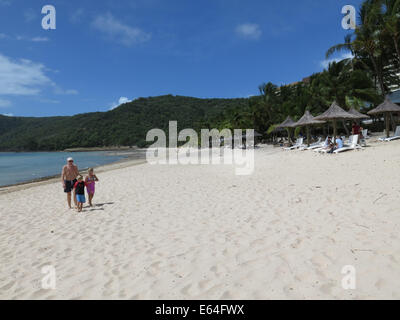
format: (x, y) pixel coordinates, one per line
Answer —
(395, 137)
(365, 134)
(315, 145)
(364, 137)
(353, 146)
(323, 148)
(298, 144)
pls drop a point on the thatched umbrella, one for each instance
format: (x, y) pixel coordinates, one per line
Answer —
(306, 121)
(287, 124)
(335, 113)
(359, 115)
(386, 108)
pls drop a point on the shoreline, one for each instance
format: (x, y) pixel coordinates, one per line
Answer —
(122, 163)
(74, 150)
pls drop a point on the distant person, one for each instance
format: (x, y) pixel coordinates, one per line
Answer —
(79, 187)
(328, 144)
(68, 177)
(90, 181)
(338, 145)
(356, 129)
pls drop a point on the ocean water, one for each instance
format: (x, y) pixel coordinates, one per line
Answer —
(23, 167)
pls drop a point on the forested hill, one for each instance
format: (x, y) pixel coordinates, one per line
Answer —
(126, 125)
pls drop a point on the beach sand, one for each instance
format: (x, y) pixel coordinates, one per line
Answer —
(201, 232)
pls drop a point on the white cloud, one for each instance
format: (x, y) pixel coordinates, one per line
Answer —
(21, 77)
(249, 31)
(34, 39)
(24, 77)
(30, 15)
(71, 92)
(49, 101)
(40, 39)
(5, 103)
(5, 2)
(77, 15)
(58, 90)
(121, 100)
(3, 36)
(119, 32)
(8, 114)
(325, 63)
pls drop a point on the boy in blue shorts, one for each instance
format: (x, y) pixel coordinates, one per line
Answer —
(80, 192)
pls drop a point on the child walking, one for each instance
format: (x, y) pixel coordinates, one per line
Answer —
(80, 192)
(90, 182)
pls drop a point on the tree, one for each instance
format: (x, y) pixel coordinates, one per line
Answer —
(391, 20)
(367, 40)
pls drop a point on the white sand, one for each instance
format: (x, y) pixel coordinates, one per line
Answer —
(200, 232)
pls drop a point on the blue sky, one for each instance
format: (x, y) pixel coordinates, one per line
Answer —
(105, 52)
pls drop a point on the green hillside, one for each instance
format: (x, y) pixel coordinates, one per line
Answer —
(126, 125)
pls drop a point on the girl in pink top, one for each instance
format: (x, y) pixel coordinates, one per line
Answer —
(90, 181)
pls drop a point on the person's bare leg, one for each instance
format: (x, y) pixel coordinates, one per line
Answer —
(69, 199)
(75, 201)
(90, 200)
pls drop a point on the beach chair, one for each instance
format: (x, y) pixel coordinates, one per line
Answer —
(365, 134)
(298, 144)
(321, 147)
(316, 145)
(364, 137)
(348, 144)
(312, 146)
(396, 135)
(353, 145)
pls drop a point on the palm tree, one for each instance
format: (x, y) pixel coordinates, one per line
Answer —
(391, 22)
(270, 99)
(366, 40)
(342, 81)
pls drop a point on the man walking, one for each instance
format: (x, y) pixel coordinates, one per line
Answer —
(68, 178)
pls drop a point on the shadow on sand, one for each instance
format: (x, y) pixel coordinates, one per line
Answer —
(98, 207)
(103, 204)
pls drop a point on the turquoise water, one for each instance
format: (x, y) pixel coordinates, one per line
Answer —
(22, 167)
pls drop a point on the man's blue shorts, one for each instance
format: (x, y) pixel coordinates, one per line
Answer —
(80, 198)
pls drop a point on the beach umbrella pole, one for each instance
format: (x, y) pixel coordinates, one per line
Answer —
(308, 135)
(387, 124)
(334, 129)
(289, 134)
